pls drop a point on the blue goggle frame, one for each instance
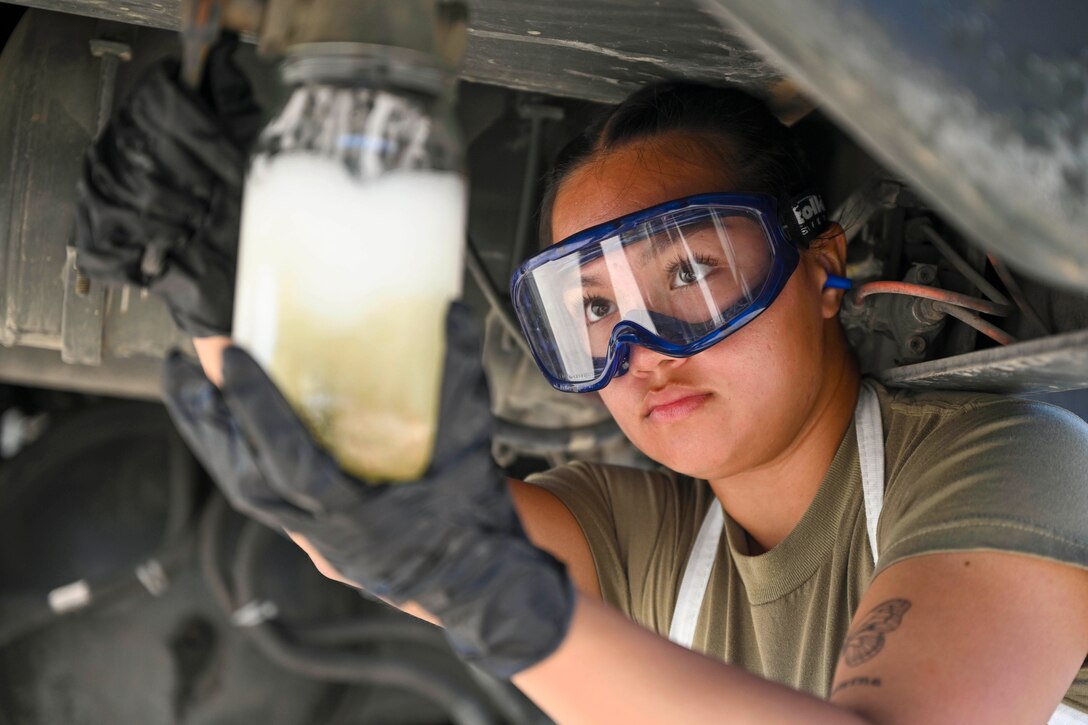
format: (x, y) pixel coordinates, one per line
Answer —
(804, 225)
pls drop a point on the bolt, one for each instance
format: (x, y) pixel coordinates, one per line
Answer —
(112, 55)
(925, 313)
(917, 344)
(887, 193)
(83, 284)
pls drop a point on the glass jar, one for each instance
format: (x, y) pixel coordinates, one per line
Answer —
(352, 244)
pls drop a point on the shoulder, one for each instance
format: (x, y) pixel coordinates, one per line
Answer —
(970, 470)
(639, 525)
(621, 492)
(962, 431)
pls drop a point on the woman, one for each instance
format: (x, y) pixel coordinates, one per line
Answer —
(976, 612)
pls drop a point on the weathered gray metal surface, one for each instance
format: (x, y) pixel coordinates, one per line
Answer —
(135, 377)
(593, 49)
(1047, 364)
(982, 104)
(82, 316)
(601, 50)
(52, 86)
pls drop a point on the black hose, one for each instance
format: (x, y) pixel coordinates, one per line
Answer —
(342, 666)
(210, 543)
(369, 630)
(23, 613)
(182, 476)
(490, 291)
(508, 699)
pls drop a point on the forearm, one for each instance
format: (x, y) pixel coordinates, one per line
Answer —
(609, 669)
(209, 351)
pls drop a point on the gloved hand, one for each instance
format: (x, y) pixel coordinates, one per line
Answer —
(450, 542)
(159, 201)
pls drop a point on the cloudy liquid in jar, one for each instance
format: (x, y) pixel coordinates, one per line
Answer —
(343, 287)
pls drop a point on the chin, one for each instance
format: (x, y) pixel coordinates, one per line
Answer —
(693, 453)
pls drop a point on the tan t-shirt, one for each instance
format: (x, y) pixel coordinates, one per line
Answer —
(964, 472)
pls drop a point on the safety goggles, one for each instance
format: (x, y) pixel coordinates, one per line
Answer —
(675, 278)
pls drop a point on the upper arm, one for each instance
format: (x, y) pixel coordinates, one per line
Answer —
(551, 526)
(965, 637)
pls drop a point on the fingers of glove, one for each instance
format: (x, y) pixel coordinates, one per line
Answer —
(127, 206)
(464, 419)
(295, 465)
(97, 257)
(205, 424)
(192, 152)
(122, 170)
(222, 224)
(505, 604)
(182, 133)
(229, 93)
(141, 154)
(111, 238)
(200, 297)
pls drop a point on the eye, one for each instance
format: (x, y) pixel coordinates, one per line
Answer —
(597, 308)
(688, 271)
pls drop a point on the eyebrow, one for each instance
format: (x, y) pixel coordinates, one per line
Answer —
(654, 250)
(591, 280)
(656, 247)
(664, 240)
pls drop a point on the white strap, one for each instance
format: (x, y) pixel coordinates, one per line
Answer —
(870, 430)
(696, 577)
(693, 586)
(1066, 715)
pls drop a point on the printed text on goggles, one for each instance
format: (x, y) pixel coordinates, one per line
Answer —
(675, 278)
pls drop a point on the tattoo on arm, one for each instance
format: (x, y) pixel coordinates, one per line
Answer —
(865, 640)
(870, 681)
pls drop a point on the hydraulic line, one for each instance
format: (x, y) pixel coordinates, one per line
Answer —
(369, 630)
(210, 543)
(930, 293)
(491, 294)
(527, 438)
(1017, 294)
(988, 329)
(343, 666)
(23, 613)
(926, 230)
(508, 699)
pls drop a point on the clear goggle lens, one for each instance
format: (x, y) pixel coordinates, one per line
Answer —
(672, 279)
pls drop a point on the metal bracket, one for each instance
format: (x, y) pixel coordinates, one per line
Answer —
(82, 316)
(83, 312)
(1043, 365)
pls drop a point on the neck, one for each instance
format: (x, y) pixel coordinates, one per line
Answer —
(769, 501)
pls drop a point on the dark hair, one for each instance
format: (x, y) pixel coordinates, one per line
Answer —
(733, 125)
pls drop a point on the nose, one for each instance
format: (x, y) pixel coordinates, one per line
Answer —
(642, 362)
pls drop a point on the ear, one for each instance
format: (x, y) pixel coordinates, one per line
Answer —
(827, 255)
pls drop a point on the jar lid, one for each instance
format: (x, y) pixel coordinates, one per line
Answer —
(368, 65)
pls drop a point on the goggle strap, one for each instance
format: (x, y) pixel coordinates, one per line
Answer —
(805, 218)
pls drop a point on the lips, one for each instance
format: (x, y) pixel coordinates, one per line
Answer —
(672, 404)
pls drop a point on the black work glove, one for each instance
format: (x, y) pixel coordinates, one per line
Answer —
(451, 542)
(159, 201)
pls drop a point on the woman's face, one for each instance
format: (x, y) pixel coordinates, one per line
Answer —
(742, 403)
